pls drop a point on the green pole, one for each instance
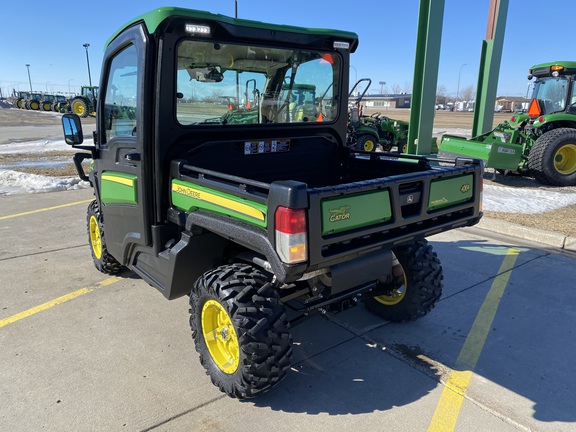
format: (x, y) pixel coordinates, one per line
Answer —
(489, 68)
(430, 17)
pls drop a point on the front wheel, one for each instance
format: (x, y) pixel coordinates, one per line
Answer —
(415, 290)
(103, 261)
(552, 159)
(366, 143)
(239, 329)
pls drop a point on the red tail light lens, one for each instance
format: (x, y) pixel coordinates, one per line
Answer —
(291, 240)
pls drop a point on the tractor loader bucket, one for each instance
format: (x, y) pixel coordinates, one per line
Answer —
(489, 147)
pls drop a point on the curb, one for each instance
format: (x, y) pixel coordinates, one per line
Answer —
(549, 238)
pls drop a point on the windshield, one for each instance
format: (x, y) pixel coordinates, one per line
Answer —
(240, 84)
(552, 91)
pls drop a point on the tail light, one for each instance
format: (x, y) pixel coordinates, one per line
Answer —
(291, 240)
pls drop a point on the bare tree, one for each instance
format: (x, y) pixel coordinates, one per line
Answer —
(407, 87)
(396, 89)
(441, 91)
(468, 93)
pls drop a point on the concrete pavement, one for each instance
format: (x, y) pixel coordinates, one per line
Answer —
(118, 356)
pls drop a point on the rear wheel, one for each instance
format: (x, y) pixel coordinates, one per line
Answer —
(103, 261)
(239, 329)
(415, 290)
(366, 143)
(80, 107)
(47, 106)
(552, 159)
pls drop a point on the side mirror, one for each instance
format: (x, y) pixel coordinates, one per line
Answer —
(72, 129)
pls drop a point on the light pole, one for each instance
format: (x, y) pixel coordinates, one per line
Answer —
(458, 89)
(29, 80)
(86, 45)
(235, 8)
(382, 84)
(70, 91)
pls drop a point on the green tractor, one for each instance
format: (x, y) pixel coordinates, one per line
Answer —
(34, 101)
(20, 98)
(367, 133)
(48, 102)
(61, 104)
(540, 142)
(84, 104)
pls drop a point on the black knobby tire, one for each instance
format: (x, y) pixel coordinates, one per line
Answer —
(421, 289)
(103, 261)
(260, 339)
(552, 159)
(366, 142)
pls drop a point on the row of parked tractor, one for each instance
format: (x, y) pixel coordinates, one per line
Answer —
(82, 104)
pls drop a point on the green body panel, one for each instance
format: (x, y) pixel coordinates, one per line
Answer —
(154, 18)
(355, 211)
(450, 191)
(190, 197)
(119, 188)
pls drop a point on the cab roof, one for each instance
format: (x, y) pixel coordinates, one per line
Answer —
(153, 19)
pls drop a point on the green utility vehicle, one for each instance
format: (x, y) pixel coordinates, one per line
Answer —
(541, 142)
(260, 223)
(370, 132)
(84, 104)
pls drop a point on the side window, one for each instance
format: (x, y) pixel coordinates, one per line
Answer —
(120, 117)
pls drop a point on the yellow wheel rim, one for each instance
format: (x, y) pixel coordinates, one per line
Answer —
(78, 108)
(565, 159)
(369, 145)
(95, 238)
(220, 337)
(395, 296)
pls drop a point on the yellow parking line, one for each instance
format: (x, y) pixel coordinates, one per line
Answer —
(56, 301)
(452, 397)
(44, 209)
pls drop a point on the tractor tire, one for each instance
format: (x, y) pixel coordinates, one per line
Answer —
(34, 105)
(552, 159)
(239, 329)
(420, 289)
(103, 261)
(47, 106)
(80, 107)
(366, 143)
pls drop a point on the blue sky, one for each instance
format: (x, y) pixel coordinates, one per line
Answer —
(50, 36)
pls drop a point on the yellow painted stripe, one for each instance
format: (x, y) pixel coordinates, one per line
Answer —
(218, 200)
(56, 301)
(117, 179)
(44, 209)
(448, 408)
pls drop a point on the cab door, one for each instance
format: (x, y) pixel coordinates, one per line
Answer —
(121, 167)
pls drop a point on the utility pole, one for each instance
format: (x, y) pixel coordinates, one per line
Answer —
(86, 45)
(29, 80)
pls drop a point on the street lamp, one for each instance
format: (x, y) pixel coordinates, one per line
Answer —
(382, 84)
(29, 80)
(235, 8)
(86, 45)
(458, 89)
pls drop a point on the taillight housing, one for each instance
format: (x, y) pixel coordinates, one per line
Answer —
(291, 239)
